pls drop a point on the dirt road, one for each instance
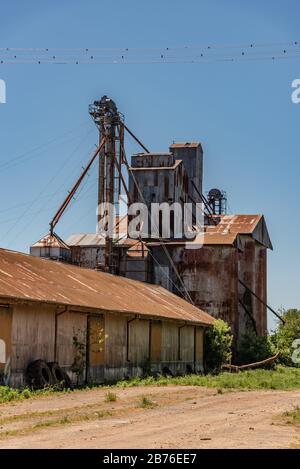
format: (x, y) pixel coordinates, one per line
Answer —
(172, 417)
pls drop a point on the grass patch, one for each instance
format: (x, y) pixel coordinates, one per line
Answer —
(292, 417)
(8, 394)
(146, 403)
(58, 421)
(110, 397)
(281, 378)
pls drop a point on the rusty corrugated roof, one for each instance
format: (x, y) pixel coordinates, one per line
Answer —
(253, 225)
(30, 278)
(85, 239)
(50, 241)
(204, 239)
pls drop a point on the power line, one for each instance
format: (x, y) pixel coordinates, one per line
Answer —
(272, 57)
(28, 154)
(208, 46)
(38, 198)
(180, 54)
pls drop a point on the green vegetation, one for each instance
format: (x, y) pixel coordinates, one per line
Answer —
(292, 417)
(283, 339)
(218, 341)
(57, 420)
(252, 348)
(279, 378)
(146, 403)
(110, 397)
(8, 394)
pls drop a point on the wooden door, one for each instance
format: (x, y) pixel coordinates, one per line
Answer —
(96, 349)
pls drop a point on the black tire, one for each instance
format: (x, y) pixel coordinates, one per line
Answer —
(167, 372)
(38, 374)
(59, 376)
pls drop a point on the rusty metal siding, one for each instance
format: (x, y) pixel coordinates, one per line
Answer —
(192, 158)
(88, 257)
(210, 275)
(253, 272)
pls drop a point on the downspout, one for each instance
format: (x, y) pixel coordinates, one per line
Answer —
(55, 333)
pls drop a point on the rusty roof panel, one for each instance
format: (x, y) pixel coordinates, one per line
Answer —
(253, 225)
(209, 238)
(30, 278)
(50, 241)
(85, 239)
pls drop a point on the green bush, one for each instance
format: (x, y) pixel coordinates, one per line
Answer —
(285, 335)
(110, 397)
(252, 348)
(218, 340)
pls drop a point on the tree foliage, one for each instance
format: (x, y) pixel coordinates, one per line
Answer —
(285, 336)
(253, 348)
(218, 341)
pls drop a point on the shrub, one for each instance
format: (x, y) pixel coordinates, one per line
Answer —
(253, 348)
(110, 397)
(218, 340)
(285, 335)
(145, 403)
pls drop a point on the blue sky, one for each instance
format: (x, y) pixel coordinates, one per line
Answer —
(240, 111)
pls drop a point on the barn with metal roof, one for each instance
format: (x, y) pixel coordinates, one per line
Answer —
(121, 326)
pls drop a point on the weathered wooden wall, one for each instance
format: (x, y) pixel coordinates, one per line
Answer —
(33, 331)
(115, 346)
(5, 343)
(69, 325)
